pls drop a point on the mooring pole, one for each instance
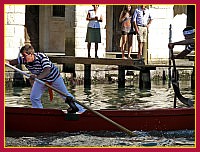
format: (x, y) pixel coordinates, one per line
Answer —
(121, 76)
(87, 75)
(169, 69)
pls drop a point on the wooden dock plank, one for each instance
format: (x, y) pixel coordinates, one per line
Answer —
(123, 64)
(130, 64)
(84, 60)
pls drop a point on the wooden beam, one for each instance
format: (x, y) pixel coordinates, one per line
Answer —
(130, 64)
(84, 60)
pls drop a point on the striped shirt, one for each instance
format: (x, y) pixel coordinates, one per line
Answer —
(41, 62)
(190, 47)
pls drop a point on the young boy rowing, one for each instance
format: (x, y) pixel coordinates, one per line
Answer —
(42, 68)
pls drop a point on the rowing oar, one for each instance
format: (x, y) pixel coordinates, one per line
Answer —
(176, 88)
(86, 107)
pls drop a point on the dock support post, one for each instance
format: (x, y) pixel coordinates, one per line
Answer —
(121, 76)
(144, 80)
(87, 75)
(169, 69)
(193, 79)
(164, 77)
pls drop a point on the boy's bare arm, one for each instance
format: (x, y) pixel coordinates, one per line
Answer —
(12, 62)
(185, 42)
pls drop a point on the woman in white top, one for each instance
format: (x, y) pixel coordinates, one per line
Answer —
(93, 29)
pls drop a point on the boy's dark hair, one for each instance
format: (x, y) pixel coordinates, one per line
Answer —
(27, 49)
(188, 28)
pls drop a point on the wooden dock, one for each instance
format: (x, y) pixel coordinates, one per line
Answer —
(130, 64)
(85, 60)
(123, 64)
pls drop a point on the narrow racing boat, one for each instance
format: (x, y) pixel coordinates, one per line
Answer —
(31, 120)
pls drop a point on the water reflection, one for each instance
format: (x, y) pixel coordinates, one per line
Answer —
(107, 96)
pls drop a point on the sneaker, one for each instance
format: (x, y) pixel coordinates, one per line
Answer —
(81, 109)
(71, 110)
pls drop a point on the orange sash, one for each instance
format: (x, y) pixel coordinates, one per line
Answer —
(50, 91)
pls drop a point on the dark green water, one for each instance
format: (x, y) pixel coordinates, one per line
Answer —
(107, 96)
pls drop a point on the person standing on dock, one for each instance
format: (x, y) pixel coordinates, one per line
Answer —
(141, 20)
(93, 35)
(127, 30)
(43, 69)
(189, 42)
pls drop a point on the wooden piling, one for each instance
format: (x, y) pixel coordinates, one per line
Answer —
(144, 80)
(87, 75)
(121, 76)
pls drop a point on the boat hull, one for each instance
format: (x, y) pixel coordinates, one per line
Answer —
(52, 120)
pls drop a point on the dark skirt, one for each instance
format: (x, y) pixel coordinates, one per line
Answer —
(93, 35)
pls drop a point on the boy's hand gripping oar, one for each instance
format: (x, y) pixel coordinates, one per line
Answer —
(86, 107)
(184, 100)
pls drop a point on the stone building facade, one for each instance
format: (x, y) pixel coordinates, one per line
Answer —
(36, 24)
(61, 29)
